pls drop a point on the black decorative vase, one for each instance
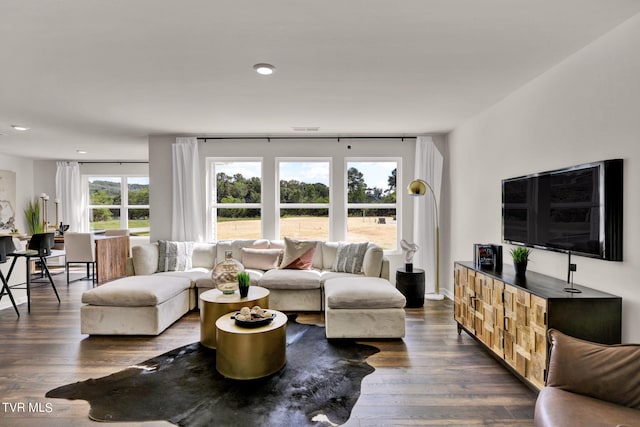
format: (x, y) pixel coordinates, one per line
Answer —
(408, 267)
(244, 291)
(521, 268)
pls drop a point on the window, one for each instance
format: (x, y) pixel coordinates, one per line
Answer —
(304, 194)
(119, 202)
(235, 199)
(372, 205)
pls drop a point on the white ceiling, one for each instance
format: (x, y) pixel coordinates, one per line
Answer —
(101, 75)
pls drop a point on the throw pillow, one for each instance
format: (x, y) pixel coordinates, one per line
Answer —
(298, 254)
(261, 259)
(174, 256)
(350, 257)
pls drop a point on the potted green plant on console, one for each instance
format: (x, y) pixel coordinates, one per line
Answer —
(520, 259)
(32, 215)
(243, 283)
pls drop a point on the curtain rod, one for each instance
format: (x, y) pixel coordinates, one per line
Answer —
(113, 163)
(268, 138)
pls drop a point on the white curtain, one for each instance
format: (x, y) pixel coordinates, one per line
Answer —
(428, 168)
(73, 202)
(186, 223)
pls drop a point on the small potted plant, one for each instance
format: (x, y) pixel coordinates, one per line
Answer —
(244, 281)
(520, 258)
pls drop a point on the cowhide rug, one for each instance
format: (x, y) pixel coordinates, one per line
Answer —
(319, 386)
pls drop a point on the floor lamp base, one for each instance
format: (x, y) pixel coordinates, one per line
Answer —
(434, 297)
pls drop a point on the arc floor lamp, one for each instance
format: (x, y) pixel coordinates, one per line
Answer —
(418, 187)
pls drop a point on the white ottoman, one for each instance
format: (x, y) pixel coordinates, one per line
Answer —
(363, 307)
(135, 305)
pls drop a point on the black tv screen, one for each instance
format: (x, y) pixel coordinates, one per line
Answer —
(577, 209)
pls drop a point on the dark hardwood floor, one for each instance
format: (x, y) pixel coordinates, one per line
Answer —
(432, 377)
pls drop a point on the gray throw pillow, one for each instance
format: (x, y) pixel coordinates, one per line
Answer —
(174, 256)
(349, 257)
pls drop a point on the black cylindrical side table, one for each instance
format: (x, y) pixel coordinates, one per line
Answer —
(411, 284)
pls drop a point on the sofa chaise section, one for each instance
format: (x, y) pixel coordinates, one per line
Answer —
(136, 305)
(363, 307)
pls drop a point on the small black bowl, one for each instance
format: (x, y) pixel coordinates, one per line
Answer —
(255, 323)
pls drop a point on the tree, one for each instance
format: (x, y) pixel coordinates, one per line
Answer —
(390, 196)
(139, 195)
(391, 181)
(357, 188)
(374, 194)
(101, 214)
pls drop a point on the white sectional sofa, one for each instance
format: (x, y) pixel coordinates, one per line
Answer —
(290, 289)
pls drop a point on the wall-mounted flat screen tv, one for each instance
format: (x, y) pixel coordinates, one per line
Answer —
(576, 209)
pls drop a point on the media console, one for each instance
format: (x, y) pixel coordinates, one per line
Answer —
(510, 315)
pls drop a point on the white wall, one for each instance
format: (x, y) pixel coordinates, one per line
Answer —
(586, 108)
(24, 192)
(160, 171)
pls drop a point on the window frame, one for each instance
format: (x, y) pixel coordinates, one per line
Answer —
(397, 205)
(124, 205)
(212, 190)
(279, 205)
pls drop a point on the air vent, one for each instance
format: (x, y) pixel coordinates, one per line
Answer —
(305, 129)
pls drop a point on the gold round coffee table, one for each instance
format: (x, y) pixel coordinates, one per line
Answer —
(214, 304)
(249, 353)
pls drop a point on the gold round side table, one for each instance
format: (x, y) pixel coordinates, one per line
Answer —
(214, 304)
(249, 353)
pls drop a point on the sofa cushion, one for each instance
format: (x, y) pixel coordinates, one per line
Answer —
(145, 259)
(235, 246)
(606, 372)
(136, 291)
(205, 282)
(372, 263)
(174, 256)
(291, 279)
(193, 275)
(328, 275)
(349, 257)
(329, 251)
(362, 292)
(204, 255)
(261, 259)
(298, 254)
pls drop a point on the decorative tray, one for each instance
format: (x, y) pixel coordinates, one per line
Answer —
(255, 322)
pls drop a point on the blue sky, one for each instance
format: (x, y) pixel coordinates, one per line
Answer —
(375, 173)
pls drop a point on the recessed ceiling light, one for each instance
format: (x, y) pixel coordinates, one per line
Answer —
(19, 127)
(264, 69)
(81, 152)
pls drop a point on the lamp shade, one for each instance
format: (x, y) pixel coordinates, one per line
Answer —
(417, 187)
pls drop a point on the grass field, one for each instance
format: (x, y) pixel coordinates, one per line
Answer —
(359, 229)
(115, 224)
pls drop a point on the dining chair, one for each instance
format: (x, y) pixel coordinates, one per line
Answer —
(7, 246)
(39, 247)
(80, 249)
